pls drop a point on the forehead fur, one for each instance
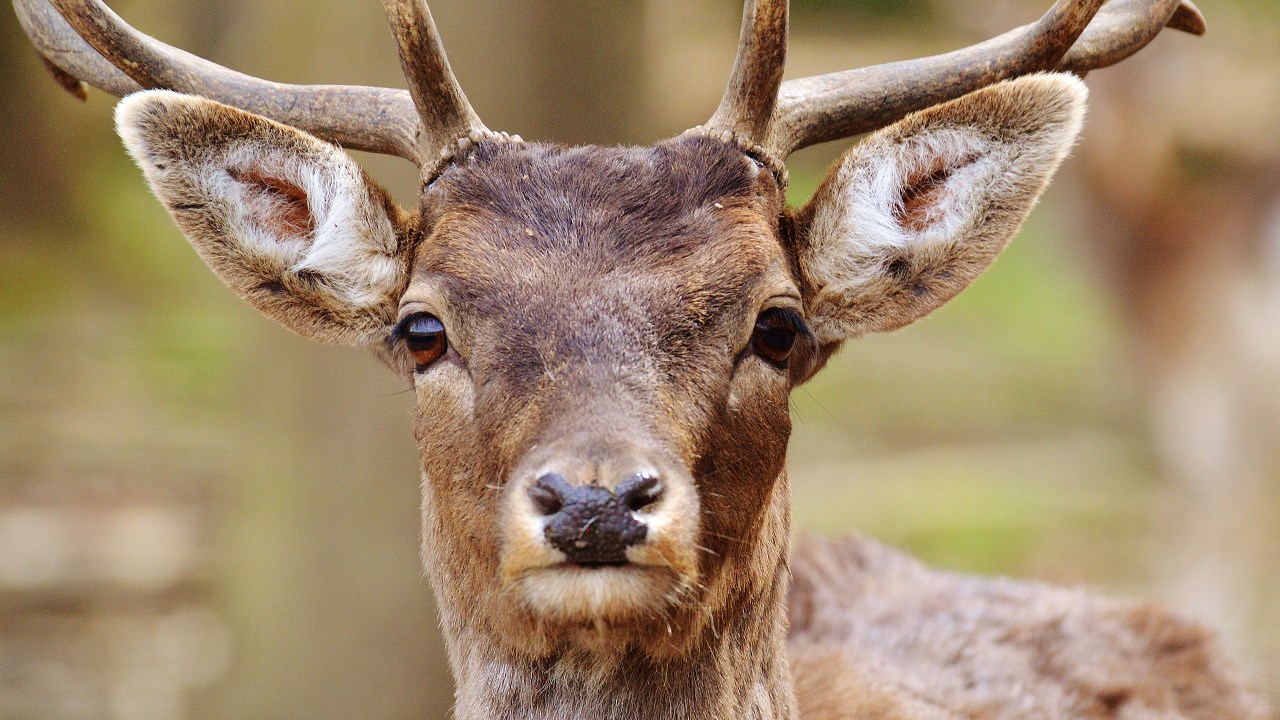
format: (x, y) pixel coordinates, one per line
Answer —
(690, 220)
(608, 208)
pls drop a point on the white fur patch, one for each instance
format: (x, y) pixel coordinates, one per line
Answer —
(867, 225)
(353, 244)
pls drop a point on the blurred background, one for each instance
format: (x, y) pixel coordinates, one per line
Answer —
(202, 516)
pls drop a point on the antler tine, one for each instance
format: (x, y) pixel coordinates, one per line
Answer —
(445, 112)
(747, 108)
(828, 107)
(85, 39)
(65, 53)
(1188, 18)
(1126, 26)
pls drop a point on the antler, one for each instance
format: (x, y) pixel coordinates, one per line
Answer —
(817, 109)
(445, 112)
(748, 103)
(84, 40)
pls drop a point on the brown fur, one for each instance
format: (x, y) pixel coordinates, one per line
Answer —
(588, 336)
(993, 649)
(599, 305)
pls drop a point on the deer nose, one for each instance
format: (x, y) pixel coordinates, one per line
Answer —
(590, 524)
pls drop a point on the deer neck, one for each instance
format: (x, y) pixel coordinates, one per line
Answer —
(732, 664)
(731, 681)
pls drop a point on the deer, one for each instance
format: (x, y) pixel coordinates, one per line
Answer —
(1200, 323)
(602, 341)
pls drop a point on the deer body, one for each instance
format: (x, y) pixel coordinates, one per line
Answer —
(602, 342)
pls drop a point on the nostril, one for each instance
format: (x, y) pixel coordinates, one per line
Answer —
(546, 501)
(548, 493)
(640, 491)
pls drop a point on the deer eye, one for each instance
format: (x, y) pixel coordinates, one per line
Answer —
(424, 337)
(775, 335)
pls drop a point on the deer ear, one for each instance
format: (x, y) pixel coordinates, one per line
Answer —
(288, 221)
(909, 217)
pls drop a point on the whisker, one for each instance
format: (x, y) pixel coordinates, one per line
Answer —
(721, 536)
(587, 527)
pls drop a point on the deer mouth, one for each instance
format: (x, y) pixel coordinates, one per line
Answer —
(644, 581)
(593, 565)
(573, 592)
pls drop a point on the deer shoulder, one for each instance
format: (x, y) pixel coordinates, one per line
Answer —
(922, 643)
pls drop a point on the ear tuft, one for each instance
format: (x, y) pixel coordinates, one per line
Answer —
(922, 197)
(907, 219)
(278, 207)
(285, 219)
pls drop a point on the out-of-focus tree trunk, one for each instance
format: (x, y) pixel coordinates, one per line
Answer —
(35, 155)
(556, 70)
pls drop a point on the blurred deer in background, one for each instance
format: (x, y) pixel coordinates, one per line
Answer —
(602, 342)
(1191, 247)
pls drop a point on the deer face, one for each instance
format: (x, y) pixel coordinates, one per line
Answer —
(602, 310)
(602, 341)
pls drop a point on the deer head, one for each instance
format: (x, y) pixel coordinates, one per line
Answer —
(602, 340)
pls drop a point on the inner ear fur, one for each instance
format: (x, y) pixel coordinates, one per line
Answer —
(288, 221)
(908, 218)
